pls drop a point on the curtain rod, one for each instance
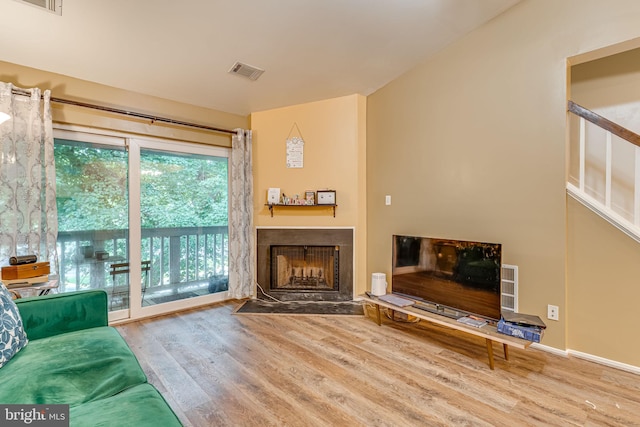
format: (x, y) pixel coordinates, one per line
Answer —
(153, 119)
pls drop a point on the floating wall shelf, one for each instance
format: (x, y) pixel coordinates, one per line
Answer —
(273, 206)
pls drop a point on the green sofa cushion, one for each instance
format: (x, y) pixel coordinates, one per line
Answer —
(60, 313)
(71, 368)
(140, 406)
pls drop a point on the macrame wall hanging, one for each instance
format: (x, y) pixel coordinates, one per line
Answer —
(295, 148)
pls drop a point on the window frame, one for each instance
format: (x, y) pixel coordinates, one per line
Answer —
(134, 143)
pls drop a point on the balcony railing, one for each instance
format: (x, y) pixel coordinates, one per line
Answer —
(180, 257)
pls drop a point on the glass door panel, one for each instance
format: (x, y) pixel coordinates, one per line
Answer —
(92, 200)
(184, 225)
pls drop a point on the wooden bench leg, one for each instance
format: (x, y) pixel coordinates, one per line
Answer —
(490, 352)
(506, 351)
(378, 314)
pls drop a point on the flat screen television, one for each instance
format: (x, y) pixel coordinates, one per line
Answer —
(450, 277)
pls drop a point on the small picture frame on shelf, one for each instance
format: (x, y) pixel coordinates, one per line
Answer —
(310, 197)
(273, 196)
(326, 197)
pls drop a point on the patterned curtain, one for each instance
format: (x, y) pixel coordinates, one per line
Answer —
(241, 236)
(28, 213)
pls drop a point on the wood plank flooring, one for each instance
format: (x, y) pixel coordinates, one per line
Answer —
(220, 369)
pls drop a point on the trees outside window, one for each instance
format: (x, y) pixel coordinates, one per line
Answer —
(182, 195)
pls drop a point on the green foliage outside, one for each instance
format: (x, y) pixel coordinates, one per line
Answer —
(91, 187)
(184, 191)
(177, 190)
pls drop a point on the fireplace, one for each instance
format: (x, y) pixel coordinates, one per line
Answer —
(305, 264)
(305, 268)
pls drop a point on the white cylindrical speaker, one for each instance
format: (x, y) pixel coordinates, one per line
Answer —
(378, 284)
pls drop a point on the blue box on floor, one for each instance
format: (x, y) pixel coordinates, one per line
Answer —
(529, 333)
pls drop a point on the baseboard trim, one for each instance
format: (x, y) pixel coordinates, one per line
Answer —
(553, 350)
(606, 362)
(590, 357)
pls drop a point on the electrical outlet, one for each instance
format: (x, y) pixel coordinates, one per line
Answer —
(387, 200)
(552, 312)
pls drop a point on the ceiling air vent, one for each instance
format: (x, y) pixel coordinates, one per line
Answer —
(53, 6)
(244, 70)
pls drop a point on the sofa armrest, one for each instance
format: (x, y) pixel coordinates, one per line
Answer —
(56, 314)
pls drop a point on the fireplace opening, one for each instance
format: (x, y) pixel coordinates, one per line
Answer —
(305, 268)
(304, 264)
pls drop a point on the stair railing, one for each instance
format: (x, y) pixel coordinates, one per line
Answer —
(631, 228)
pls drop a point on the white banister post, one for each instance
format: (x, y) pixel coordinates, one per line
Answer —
(582, 152)
(607, 179)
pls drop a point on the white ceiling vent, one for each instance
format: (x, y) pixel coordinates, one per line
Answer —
(53, 6)
(244, 70)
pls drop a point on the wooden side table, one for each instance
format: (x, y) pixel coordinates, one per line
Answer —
(40, 288)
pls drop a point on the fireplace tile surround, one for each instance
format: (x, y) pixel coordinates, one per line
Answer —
(306, 238)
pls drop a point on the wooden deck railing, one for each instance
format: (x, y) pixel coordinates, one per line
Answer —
(178, 256)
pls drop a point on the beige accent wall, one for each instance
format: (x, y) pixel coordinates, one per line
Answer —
(472, 145)
(84, 91)
(334, 132)
(610, 86)
(603, 287)
(603, 263)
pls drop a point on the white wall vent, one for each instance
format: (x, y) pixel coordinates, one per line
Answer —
(248, 71)
(53, 6)
(509, 283)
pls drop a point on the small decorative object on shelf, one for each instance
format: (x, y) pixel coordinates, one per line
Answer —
(273, 196)
(310, 197)
(326, 197)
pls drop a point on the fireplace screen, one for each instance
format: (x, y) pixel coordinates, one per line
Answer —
(304, 267)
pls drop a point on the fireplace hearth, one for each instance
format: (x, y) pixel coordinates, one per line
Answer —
(305, 264)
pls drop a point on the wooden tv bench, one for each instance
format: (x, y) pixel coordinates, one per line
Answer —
(488, 332)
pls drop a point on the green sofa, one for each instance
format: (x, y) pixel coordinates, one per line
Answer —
(73, 357)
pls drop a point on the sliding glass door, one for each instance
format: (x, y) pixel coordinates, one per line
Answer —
(183, 216)
(93, 198)
(145, 220)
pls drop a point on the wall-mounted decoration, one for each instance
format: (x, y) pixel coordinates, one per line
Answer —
(295, 149)
(310, 197)
(273, 196)
(326, 197)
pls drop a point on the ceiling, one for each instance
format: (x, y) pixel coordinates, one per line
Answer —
(310, 49)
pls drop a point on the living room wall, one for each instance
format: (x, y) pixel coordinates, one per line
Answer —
(334, 134)
(602, 264)
(66, 87)
(472, 145)
(610, 86)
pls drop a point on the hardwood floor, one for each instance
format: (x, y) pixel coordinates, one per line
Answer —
(220, 369)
